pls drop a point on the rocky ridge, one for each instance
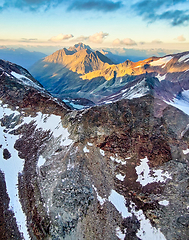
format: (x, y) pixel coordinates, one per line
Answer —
(115, 171)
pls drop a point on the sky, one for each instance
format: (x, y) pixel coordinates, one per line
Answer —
(136, 24)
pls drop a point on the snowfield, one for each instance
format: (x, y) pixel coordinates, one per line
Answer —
(181, 104)
(183, 58)
(161, 61)
(11, 168)
(26, 81)
(14, 165)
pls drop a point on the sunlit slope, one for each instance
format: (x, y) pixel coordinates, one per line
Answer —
(171, 64)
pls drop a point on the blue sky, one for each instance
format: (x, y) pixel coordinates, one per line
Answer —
(141, 24)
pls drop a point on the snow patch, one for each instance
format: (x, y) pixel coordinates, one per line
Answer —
(120, 177)
(137, 91)
(164, 203)
(107, 102)
(119, 202)
(186, 151)
(117, 160)
(41, 161)
(161, 61)
(119, 234)
(146, 176)
(26, 81)
(52, 123)
(102, 152)
(85, 149)
(146, 230)
(180, 104)
(185, 93)
(90, 144)
(100, 199)
(183, 58)
(161, 78)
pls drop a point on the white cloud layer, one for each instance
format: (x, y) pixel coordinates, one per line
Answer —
(125, 41)
(60, 37)
(157, 41)
(98, 37)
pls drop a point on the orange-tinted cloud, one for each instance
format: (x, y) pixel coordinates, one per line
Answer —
(125, 41)
(60, 37)
(98, 37)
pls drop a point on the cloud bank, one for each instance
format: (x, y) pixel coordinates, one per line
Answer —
(157, 41)
(95, 38)
(125, 42)
(98, 37)
(152, 11)
(181, 38)
(98, 5)
(60, 37)
(85, 5)
(175, 12)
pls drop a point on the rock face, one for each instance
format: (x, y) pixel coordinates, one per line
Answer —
(114, 171)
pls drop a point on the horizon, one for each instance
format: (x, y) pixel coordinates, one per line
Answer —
(119, 51)
(141, 25)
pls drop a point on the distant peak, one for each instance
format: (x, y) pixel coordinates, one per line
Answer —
(103, 52)
(3, 47)
(79, 46)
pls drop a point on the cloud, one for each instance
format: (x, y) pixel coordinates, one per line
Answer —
(163, 10)
(157, 41)
(126, 41)
(81, 39)
(98, 37)
(28, 39)
(180, 38)
(85, 5)
(95, 38)
(176, 17)
(60, 37)
(117, 42)
(97, 5)
(32, 5)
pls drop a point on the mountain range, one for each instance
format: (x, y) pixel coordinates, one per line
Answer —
(115, 170)
(78, 72)
(20, 56)
(119, 55)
